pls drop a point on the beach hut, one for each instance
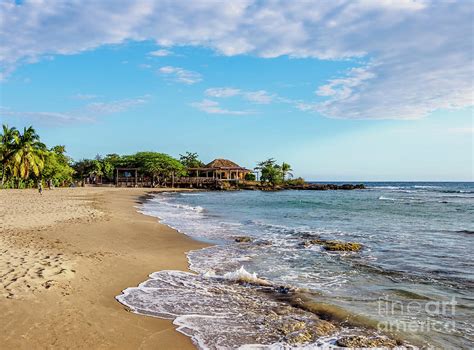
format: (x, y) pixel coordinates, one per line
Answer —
(220, 169)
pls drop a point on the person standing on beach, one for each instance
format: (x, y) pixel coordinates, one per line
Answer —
(40, 187)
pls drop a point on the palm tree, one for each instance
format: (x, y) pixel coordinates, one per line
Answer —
(285, 169)
(29, 153)
(7, 138)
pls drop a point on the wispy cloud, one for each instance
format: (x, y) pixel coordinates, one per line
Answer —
(87, 113)
(48, 118)
(116, 106)
(213, 107)
(84, 96)
(181, 75)
(222, 92)
(259, 97)
(160, 53)
(420, 52)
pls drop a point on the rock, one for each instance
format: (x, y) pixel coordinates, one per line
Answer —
(334, 245)
(243, 239)
(282, 290)
(342, 246)
(300, 332)
(292, 327)
(323, 328)
(299, 337)
(359, 341)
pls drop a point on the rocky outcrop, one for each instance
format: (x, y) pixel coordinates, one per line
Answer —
(243, 239)
(325, 187)
(300, 332)
(335, 246)
(359, 341)
(305, 186)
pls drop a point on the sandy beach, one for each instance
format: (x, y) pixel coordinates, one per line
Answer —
(65, 255)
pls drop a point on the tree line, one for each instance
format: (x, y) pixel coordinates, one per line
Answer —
(26, 161)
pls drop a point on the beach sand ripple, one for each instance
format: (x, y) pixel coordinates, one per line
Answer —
(29, 262)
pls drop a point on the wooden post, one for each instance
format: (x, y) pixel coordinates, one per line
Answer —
(116, 177)
(136, 177)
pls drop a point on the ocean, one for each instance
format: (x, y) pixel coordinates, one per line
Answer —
(413, 279)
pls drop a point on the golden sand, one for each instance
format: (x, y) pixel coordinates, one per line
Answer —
(66, 254)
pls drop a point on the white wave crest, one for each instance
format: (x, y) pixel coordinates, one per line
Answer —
(242, 275)
(383, 198)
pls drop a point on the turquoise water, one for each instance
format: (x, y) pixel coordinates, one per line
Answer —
(414, 275)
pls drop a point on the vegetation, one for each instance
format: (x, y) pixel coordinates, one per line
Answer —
(272, 173)
(285, 170)
(26, 160)
(299, 181)
(158, 166)
(7, 139)
(56, 167)
(190, 160)
(249, 177)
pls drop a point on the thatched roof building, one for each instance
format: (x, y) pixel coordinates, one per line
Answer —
(220, 169)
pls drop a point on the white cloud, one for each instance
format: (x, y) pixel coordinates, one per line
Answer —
(222, 92)
(160, 53)
(116, 106)
(87, 113)
(259, 97)
(420, 52)
(181, 75)
(49, 118)
(213, 107)
(84, 96)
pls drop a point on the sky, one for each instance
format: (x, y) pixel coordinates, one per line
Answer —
(342, 90)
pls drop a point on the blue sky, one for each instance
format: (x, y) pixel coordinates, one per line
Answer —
(355, 90)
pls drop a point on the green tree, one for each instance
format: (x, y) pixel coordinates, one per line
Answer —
(159, 164)
(82, 168)
(190, 160)
(28, 155)
(56, 166)
(286, 170)
(250, 177)
(271, 172)
(7, 146)
(110, 162)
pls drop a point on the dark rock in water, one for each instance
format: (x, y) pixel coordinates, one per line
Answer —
(335, 245)
(298, 186)
(342, 246)
(264, 242)
(468, 232)
(309, 235)
(359, 341)
(282, 290)
(243, 239)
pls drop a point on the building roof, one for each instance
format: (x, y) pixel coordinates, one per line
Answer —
(222, 163)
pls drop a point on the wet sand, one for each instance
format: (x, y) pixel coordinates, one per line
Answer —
(64, 256)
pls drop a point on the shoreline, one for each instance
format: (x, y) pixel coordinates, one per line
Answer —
(116, 250)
